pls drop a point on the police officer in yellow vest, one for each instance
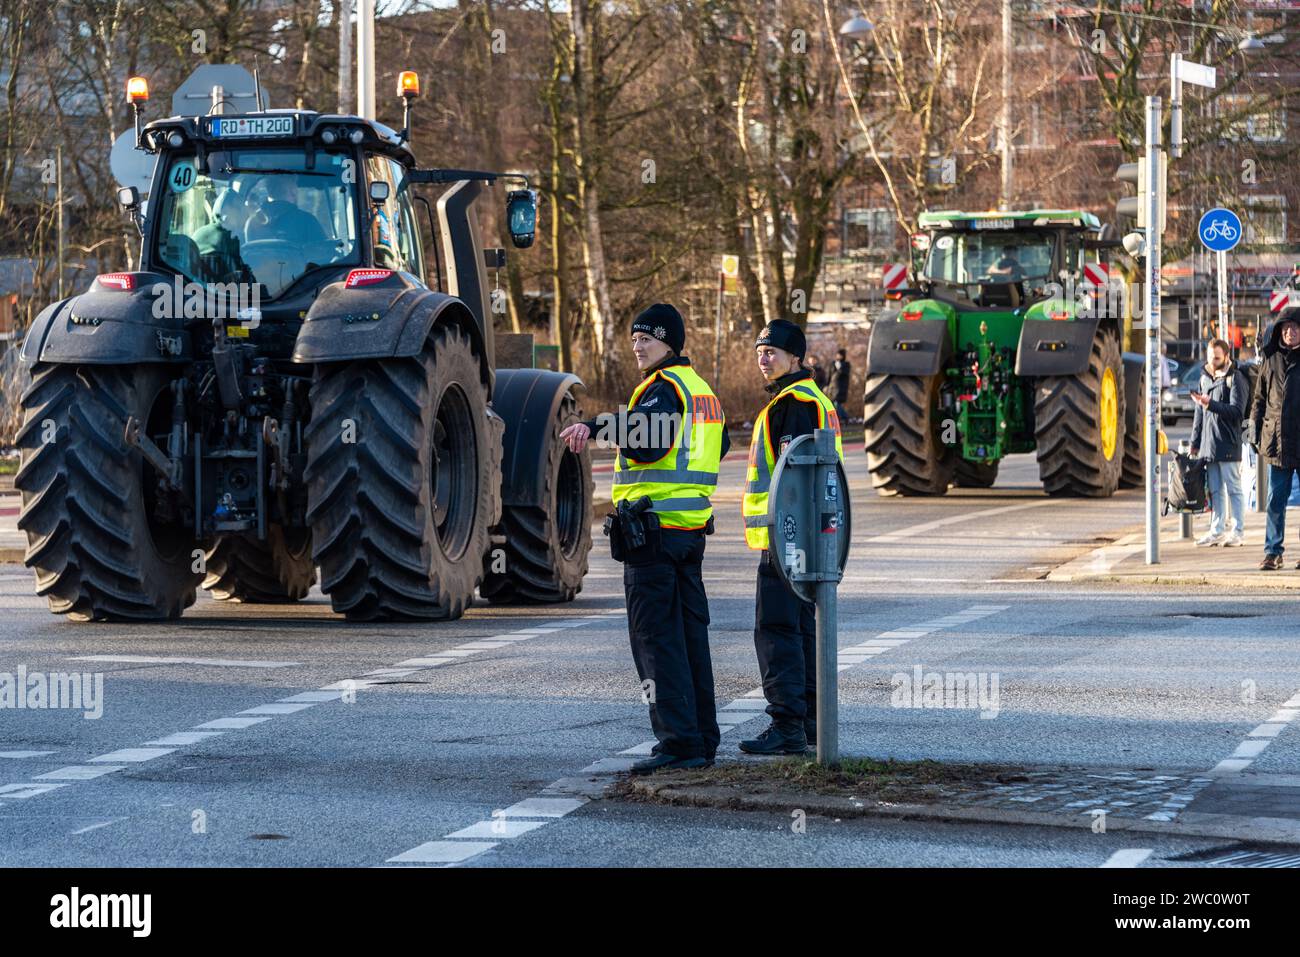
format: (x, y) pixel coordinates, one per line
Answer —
(785, 626)
(671, 441)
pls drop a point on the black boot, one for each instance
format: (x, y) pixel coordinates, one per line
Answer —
(779, 738)
(662, 760)
(810, 732)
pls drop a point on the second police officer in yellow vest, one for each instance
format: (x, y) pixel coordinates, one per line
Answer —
(784, 626)
(671, 442)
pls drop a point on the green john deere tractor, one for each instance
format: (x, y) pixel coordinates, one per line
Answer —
(1008, 341)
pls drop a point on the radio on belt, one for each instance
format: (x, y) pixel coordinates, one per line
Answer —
(808, 513)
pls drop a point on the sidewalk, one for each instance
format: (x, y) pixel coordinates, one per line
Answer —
(13, 543)
(1182, 563)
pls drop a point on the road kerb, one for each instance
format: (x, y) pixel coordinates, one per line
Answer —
(1181, 563)
(1226, 826)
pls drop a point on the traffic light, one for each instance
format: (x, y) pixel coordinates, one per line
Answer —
(1135, 207)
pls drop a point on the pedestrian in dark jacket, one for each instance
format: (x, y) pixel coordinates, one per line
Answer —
(840, 380)
(1275, 422)
(819, 375)
(1216, 437)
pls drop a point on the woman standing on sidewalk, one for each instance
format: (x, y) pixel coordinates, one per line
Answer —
(1216, 437)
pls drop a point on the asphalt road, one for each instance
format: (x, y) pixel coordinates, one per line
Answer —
(475, 741)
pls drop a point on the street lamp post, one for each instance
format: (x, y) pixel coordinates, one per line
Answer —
(1152, 317)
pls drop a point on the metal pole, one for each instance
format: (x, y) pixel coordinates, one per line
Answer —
(828, 686)
(1004, 117)
(1175, 108)
(366, 59)
(1221, 261)
(345, 56)
(1261, 484)
(717, 334)
(1152, 310)
(1184, 518)
(58, 192)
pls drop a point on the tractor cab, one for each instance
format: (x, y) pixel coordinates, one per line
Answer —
(280, 199)
(285, 202)
(1000, 261)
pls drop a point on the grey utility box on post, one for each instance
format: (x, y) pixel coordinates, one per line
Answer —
(808, 537)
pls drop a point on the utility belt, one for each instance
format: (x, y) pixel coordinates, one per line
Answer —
(634, 531)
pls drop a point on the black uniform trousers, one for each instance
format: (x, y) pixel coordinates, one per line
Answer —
(785, 638)
(668, 624)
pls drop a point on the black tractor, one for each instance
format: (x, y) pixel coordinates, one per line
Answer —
(283, 386)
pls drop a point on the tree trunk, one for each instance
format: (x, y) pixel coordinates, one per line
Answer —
(585, 82)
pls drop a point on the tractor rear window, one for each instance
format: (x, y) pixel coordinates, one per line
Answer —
(996, 256)
(258, 215)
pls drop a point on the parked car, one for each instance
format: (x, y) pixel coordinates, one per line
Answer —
(1176, 401)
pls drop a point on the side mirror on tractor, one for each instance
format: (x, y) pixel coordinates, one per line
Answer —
(521, 214)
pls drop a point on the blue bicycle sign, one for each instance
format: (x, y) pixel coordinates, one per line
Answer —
(1219, 229)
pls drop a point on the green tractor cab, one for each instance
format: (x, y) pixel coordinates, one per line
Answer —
(1008, 342)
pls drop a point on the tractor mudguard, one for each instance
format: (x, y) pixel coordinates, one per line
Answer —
(1134, 365)
(104, 326)
(527, 399)
(390, 319)
(1054, 347)
(913, 348)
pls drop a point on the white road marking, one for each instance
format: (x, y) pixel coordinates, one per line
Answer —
(441, 852)
(251, 716)
(903, 534)
(206, 662)
(80, 772)
(745, 704)
(187, 737)
(1267, 730)
(20, 792)
(280, 707)
(1259, 739)
(96, 827)
(19, 755)
(1129, 857)
(741, 711)
(132, 754)
(543, 807)
(1250, 749)
(230, 724)
(498, 827)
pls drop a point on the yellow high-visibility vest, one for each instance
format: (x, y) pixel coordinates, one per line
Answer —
(680, 483)
(762, 457)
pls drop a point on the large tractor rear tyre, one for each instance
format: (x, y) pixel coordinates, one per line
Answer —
(92, 507)
(904, 454)
(974, 474)
(544, 558)
(402, 466)
(1079, 425)
(275, 571)
(1134, 469)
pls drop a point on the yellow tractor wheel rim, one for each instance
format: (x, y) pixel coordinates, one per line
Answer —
(1109, 414)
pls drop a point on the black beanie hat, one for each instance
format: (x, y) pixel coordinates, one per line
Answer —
(664, 323)
(783, 334)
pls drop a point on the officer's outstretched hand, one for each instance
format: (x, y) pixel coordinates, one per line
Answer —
(576, 436)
